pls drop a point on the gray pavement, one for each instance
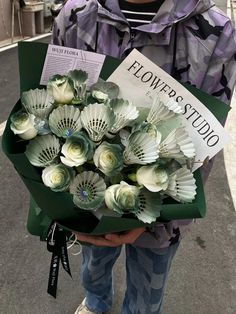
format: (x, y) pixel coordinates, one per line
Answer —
(203, 276)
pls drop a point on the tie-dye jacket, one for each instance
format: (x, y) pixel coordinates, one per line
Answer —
(205, 54)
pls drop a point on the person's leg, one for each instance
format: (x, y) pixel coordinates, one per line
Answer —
(147, 272)
(97, 276)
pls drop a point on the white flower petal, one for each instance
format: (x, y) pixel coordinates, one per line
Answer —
(153, 178)
(29, 134)
(69, 162)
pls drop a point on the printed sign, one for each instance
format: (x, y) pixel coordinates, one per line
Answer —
(140, 79)
(61, 60)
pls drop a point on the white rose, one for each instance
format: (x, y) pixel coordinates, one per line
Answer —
(57, 177)
(61, 90)
(76, 150)
(122, 198)
(108, 158)
(153, 178)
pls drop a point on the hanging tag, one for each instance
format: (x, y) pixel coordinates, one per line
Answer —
(53, 274)
(64, 253)
(56, 243)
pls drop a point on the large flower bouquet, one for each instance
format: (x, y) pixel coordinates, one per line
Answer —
(96, 163)
(108, 154)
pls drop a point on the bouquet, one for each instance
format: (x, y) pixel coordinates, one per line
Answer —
(114, 158)
(96, 163)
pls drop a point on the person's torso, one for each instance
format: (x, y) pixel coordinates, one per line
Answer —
(104, 29)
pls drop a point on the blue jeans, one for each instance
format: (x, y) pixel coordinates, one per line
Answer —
(147, 272)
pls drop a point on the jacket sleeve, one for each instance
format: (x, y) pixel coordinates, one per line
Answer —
(220, 78)
(75, 26)
(58, 31)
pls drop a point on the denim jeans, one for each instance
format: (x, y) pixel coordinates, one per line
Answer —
(147, 272)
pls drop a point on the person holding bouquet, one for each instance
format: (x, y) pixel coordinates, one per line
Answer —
(193, 41)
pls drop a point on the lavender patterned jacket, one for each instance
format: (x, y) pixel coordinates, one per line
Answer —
(205, 54)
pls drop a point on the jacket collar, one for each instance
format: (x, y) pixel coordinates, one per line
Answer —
(170, 13)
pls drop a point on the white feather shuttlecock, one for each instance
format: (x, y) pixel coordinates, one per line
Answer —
(182, 186)
(42, 151)
(97, 119)
(65, 120)
(88, 190)
(177, 144)
(124, 111)
(37, 102)
(142, 149)
(149, 206)
(163, 108)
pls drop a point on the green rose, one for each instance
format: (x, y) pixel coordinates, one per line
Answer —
(79, 79)
(100, 96)
(122, 198)
(22, 124)
(57, 177)
(59, 86)
(103, 91)
(77, 150)
(109, 158)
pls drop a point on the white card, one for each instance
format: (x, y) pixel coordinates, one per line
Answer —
(139, 79)
(61, 60)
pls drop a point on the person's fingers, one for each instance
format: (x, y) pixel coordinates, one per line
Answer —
(115, 238)
(126, 238)
(132, 236)
(112, 239)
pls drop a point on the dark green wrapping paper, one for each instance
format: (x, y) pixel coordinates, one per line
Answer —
(47, 205)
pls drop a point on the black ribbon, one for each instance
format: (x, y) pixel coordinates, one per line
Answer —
(56, 244)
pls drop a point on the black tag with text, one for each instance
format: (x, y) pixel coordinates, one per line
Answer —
(64, 253)
(50, 237)
(56, 244)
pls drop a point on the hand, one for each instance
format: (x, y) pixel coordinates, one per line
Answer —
(112, 239)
